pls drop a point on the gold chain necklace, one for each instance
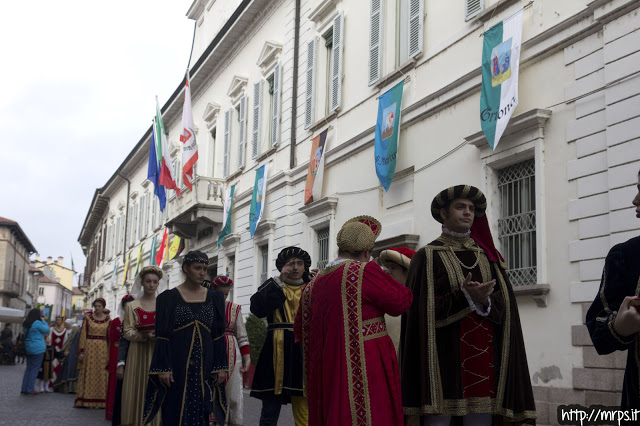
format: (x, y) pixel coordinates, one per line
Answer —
(453, 253)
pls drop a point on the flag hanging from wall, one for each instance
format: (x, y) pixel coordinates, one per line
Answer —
(177, 245)
(167, 179)
(160, 255)
(152, 250)
(500, 65)
(226, 218)
(114, 273)
(257, 200)
(138, 260)
(153, 169)
(73, 268)
(188, 138)
(388, 134)
(315, 174)
(126, 269)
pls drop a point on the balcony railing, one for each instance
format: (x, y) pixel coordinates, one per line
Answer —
(10, 288)
(202, 205)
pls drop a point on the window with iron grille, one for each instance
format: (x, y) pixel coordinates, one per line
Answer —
(323, 247)
(264, 263)
(231, 267)
(517, 222)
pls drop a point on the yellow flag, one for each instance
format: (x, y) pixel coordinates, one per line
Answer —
(175, 246)
(138, 260)
(63, 314)
(126, 268)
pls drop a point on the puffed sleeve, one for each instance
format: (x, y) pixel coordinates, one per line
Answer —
(220, 362)
(382, 291)
(241, 334)
(129, 326)
(615, 285)
(268, 298)
(165, 319)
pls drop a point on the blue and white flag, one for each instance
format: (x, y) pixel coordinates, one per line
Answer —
(500, 65)
(153, 171)
(257, 200)
(388, 134)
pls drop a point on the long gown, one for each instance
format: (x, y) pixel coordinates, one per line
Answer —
(115, 331)
(67, 380)
(93, 377)
(350, 361)
(136, 372)
(190, 345)
(58, 339)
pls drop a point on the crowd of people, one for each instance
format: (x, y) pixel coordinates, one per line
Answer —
(431, 337)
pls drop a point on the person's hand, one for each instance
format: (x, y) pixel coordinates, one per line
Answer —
(313, 273)
(166, 379)
(284, 273)
(246, 361)
(479, 292)
(151, 334)
(219, 378)
(66, 353)
(81, 357)
(628, 319)
(120, 372)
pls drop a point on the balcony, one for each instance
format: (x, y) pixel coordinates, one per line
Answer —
(196, 209)
(9, 288)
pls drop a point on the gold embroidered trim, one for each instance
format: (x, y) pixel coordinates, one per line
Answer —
(357, 380)
(278, 353)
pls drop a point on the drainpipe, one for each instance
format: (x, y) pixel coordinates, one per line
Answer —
(126, 220)
(294, 104)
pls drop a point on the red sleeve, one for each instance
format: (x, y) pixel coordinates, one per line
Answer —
(387, 294)
(245, 350)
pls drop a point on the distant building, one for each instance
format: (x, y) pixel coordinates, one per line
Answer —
(64, 274)
(54, 297)
(15, 249)
(77, 303)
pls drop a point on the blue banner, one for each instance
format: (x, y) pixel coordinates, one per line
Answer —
(387, 134)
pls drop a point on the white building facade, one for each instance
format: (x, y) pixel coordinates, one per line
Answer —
(269, 75)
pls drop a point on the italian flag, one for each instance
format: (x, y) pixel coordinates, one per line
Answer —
(188, 138)
(160, 255)
(500, 64)
(166, 175)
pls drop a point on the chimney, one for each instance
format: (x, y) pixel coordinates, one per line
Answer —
(60, 259)
(49, 259)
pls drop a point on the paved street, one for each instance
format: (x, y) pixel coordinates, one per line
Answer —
(57, 409)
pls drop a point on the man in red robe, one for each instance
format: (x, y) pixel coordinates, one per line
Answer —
(352, 375)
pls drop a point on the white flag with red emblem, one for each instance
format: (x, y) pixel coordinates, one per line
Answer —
(188, 138)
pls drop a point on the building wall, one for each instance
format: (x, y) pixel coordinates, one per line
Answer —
(14, 267)
(585, 152)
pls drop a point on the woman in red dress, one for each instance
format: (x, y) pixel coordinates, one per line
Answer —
(58, 337)
(115, 332)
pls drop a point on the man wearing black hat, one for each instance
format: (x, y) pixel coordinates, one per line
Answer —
(278, 378)
(462, 350)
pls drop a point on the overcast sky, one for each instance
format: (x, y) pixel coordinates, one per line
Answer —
(79, 80)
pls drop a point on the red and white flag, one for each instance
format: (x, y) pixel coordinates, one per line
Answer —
(166, 174)
(160, 255)
(188, 138)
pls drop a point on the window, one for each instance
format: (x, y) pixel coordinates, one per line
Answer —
(231, 264)
(118, 236)
(472, 8)
(257, 122)
(517, 222)
(264, 263)
(40, 291)
(241, 110)
(227, 142)
(213, 151)
(323, 247)
(407, 17)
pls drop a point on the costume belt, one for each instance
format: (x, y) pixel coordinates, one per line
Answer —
(374, 328)
(280, 325)
(229, 331)
(97, 337)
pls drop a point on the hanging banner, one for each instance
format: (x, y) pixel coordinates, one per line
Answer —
(315, 174)
(500, 65)
(388, 134)
(257, 200)
(226, 218)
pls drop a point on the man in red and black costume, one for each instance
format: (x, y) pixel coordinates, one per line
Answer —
(350, 362)
(462, 351)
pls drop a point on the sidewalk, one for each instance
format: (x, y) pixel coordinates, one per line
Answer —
(56, 409)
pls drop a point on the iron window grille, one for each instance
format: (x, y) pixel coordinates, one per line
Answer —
(517, 222)
(323, 248)
(264, 266)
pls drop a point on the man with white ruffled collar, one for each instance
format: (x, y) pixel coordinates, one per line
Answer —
(463, 324)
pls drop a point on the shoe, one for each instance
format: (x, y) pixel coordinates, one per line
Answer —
(34, 393)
